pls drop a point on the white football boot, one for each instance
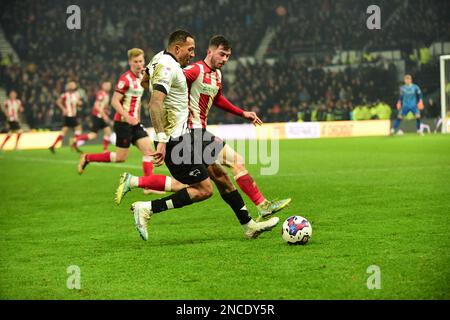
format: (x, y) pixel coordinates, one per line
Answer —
(254, 229)
(142, 212)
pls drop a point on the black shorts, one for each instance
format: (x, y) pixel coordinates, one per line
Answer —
(211, 145)
(13, 125)
(98, 124)
(184, 161)
(127, 134)
(70, 122)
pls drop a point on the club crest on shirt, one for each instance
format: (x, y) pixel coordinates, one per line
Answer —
(121, 84)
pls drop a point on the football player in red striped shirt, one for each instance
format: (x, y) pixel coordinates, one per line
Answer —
(100, 119)
(69, 102)
(12, 108)
(126, 101)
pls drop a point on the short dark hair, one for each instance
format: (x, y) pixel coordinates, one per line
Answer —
(218, 40)
(178, 37)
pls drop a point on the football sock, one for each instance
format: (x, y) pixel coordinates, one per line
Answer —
(248, 185)
(105, 143)
(418, 124)
(235, 201)
(154, 182)
(397, 124)
(82, 137)
(4, 141)
(58, 139)
(80, 143)
(17, 139)
(147, 165)
(177, 200)
(101, 157)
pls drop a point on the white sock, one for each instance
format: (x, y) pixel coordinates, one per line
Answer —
(134, 182)
(80, 143)
(168, 184)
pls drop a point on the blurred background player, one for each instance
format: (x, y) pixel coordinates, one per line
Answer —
(12, 108)
(126, 101)
(410, 101)
(69, 102)
(100, 119)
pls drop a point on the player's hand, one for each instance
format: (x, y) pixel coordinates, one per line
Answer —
(399, 105)
(251, 116)
(131, 120)
(159, 154)
(420, 105)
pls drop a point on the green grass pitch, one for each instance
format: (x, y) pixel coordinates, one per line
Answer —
(372, 201)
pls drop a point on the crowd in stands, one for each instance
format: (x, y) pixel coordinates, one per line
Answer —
(341, 25)
(51, 55)
(282, 91)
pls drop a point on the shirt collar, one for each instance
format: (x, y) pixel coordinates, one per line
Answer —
(167, 52)
(204, 62)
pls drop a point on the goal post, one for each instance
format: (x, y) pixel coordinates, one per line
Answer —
(445, 92)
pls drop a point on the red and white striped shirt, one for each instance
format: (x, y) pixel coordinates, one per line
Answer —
(101, 103)
(130, 86)
(12, 109)
(205, 89)
(70, 102)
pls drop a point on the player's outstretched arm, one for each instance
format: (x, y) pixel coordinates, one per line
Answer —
(252, 117)
(224, 104)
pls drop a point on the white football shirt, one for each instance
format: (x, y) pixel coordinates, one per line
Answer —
(166, 74)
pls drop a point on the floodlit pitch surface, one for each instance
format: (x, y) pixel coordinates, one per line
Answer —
(381, 202)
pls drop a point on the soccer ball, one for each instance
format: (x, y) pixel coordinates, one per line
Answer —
(296, 230)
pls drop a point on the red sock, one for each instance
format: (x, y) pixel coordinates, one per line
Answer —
(154, 182)
(17, 140)
(147, 167)
(82, 137)
(250, 188)
(99, 157)
(4, 141)
(60, 137)
(105, 144)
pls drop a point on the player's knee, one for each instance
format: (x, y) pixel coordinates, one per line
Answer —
(238, 165)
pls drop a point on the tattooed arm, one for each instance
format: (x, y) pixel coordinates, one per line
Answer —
(156, 110)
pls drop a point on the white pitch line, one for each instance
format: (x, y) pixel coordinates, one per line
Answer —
(310, 173)
(72, 163)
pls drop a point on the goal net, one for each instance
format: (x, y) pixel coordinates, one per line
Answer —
(445, 93)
